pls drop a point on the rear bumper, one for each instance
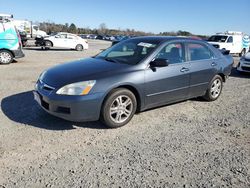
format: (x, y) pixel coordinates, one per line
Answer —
(72, 108)
(18, 53)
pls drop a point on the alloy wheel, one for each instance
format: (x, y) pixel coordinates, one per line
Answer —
(216, 88)
(121, 109)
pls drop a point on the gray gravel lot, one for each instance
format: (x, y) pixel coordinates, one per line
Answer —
(189, 144)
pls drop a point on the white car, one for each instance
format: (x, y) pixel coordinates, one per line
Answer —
(66, 40)
(244, 64)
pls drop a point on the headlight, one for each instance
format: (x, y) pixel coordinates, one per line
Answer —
(79, 88)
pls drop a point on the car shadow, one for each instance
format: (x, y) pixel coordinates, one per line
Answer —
(22, 108)
(237, 74)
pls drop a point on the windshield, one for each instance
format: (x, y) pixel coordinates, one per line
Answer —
(218, 38)
(129, 51)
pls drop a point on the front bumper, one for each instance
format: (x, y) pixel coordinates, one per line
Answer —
(244, 66)
(72, 108)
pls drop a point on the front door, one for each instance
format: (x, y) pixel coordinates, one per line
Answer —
(168, 84)
(60, 40)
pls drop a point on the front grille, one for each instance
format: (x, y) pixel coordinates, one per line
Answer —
(245, 68)
(46, 87)
(247, 60)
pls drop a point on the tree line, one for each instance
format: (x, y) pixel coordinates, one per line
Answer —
(49, 28)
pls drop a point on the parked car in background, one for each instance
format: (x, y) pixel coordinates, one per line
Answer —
(65, 40)
(134, 75)
(100, 37)
(92, 36)
(235, 42)
(119, 39)
(10, 42)
(84, 36)
(244, 64)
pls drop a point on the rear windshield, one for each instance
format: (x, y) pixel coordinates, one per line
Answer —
(218, 38)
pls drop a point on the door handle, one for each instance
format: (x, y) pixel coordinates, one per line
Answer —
(184, 69)
(213, 64)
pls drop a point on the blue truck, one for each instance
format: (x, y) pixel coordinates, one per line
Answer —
(10, 42)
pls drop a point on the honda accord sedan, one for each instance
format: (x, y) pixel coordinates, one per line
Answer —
(132, 76)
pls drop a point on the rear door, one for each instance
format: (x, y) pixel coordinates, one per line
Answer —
(203, 67)
(72, 41)
(168, 84)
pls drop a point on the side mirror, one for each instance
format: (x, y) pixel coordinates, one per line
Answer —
(159, 63)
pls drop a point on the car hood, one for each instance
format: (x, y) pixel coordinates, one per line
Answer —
(81, 70)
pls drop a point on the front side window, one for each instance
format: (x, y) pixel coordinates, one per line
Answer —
(62, 36)
(198, 52)
(35, 28)
(71, 37)
(230, 39)
(218, 38)
(174, 53)
(129, 52)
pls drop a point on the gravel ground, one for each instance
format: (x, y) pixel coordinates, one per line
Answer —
(189, 144)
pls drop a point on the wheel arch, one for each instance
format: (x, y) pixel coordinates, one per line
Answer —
(222, 76)
(49, 41)
(8, 51)
(131, 88)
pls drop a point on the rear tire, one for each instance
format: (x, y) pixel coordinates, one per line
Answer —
(214, 90)
(6, 57)
(118, 108)
(79, 47)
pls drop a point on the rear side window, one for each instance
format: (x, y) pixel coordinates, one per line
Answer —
(199, 52)
(71, 37)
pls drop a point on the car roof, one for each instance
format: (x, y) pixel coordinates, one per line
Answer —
(161, 39)
(66, 33)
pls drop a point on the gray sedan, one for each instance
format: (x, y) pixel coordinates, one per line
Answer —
(132, 76)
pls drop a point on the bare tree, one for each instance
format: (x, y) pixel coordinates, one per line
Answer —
(102, 29)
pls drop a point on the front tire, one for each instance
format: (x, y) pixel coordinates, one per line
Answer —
(79, 47)
(6, 57)
(118, 108)
(214, 90)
